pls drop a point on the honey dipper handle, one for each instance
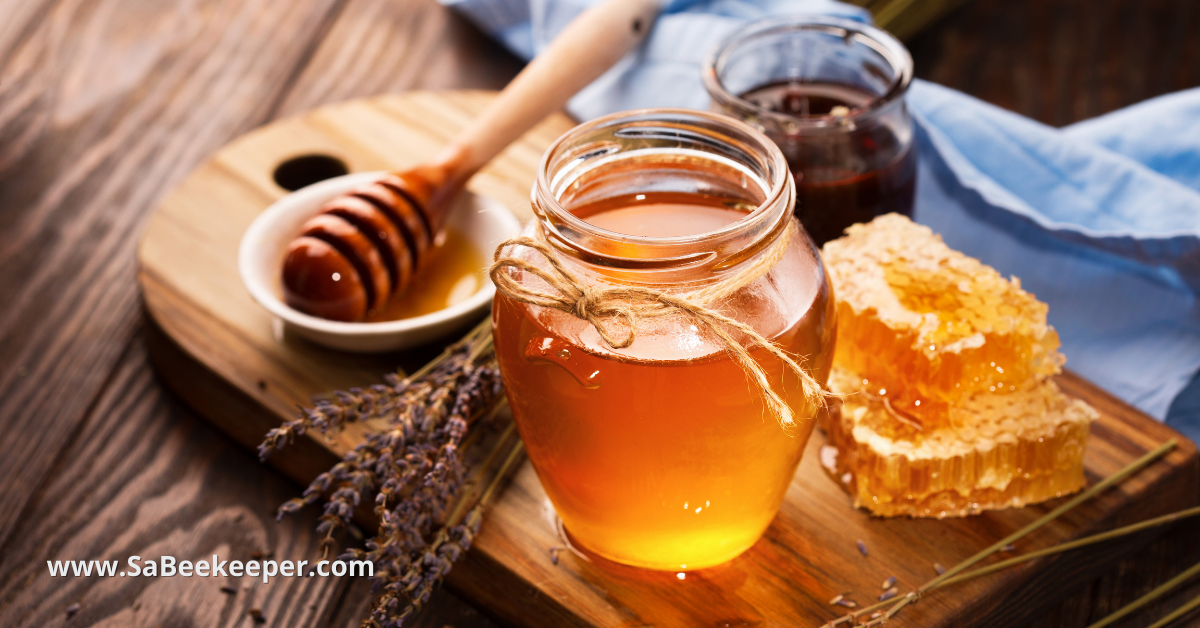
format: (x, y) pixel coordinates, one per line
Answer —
(591, 44)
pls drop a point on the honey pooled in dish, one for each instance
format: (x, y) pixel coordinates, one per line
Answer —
(452, 272)
(1006, 450)
(927, 326)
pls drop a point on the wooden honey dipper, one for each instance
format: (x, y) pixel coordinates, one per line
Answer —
(364, 247)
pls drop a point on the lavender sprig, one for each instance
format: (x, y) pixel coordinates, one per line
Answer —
(410, 469)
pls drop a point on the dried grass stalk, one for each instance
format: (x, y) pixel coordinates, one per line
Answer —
(946, 577)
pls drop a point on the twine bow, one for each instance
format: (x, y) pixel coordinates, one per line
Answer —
(600, 306)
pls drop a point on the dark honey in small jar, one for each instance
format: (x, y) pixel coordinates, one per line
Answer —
(830, 93)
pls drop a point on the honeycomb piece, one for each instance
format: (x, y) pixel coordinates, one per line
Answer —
(1007, 450)
(927, 326)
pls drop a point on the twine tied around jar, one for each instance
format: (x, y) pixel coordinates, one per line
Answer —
(598, 306)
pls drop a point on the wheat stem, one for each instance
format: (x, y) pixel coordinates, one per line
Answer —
(513, 457)
(1149, 597)
(1129, 470)
(858, 613)
(466, 498)
(485, 343)
(1063, 547)
(485, 326)
(1177, 613)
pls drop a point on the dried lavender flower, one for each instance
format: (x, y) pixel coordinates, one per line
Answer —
(410, 471)
(889, 583)
(862, 547)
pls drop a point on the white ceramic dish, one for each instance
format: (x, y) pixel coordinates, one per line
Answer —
(484, 222)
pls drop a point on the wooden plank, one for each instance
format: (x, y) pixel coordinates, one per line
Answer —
(443, 609)
(103, 107)
(201, 389)
(906, 18)
(808, 554)
(106, 105)
(143, 477)
(383, 46)
(1063, 61)
(58, 119)
(1132, 577)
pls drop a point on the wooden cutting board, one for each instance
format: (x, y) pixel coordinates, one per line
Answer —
(225, 356)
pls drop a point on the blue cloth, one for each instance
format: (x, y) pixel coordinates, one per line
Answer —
(1100, 219)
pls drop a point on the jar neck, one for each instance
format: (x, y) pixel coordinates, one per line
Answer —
(884, 70)
(654, 151)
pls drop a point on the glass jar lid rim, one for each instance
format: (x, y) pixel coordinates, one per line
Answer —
(882, 42)
(546, 180)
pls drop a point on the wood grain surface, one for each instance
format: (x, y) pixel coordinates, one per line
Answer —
(1062, 61)
(106, 105)
(190, 283)
(121, 491)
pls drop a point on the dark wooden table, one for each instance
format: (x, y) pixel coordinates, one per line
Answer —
(105, 105)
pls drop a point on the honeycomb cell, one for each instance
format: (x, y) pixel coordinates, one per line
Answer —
(1006, 450)
(927, 326)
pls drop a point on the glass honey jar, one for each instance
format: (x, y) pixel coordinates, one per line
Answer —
(656, 446)
(830, 92)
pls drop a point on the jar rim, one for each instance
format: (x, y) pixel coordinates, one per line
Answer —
(880, 41)
(777, 187)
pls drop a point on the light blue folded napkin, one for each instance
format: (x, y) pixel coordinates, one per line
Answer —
(1100, 219)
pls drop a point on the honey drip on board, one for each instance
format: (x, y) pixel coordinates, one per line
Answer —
(943, 370)
(451, 273)
(671, 460)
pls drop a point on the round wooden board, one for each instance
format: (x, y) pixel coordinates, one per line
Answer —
(227, 358)
(188, 254)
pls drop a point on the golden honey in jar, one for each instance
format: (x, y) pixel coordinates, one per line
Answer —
(663, 454)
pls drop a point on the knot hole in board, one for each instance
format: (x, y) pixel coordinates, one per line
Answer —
(306, 170)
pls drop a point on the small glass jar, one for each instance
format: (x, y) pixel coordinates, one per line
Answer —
(830, 92)
(662, 454)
